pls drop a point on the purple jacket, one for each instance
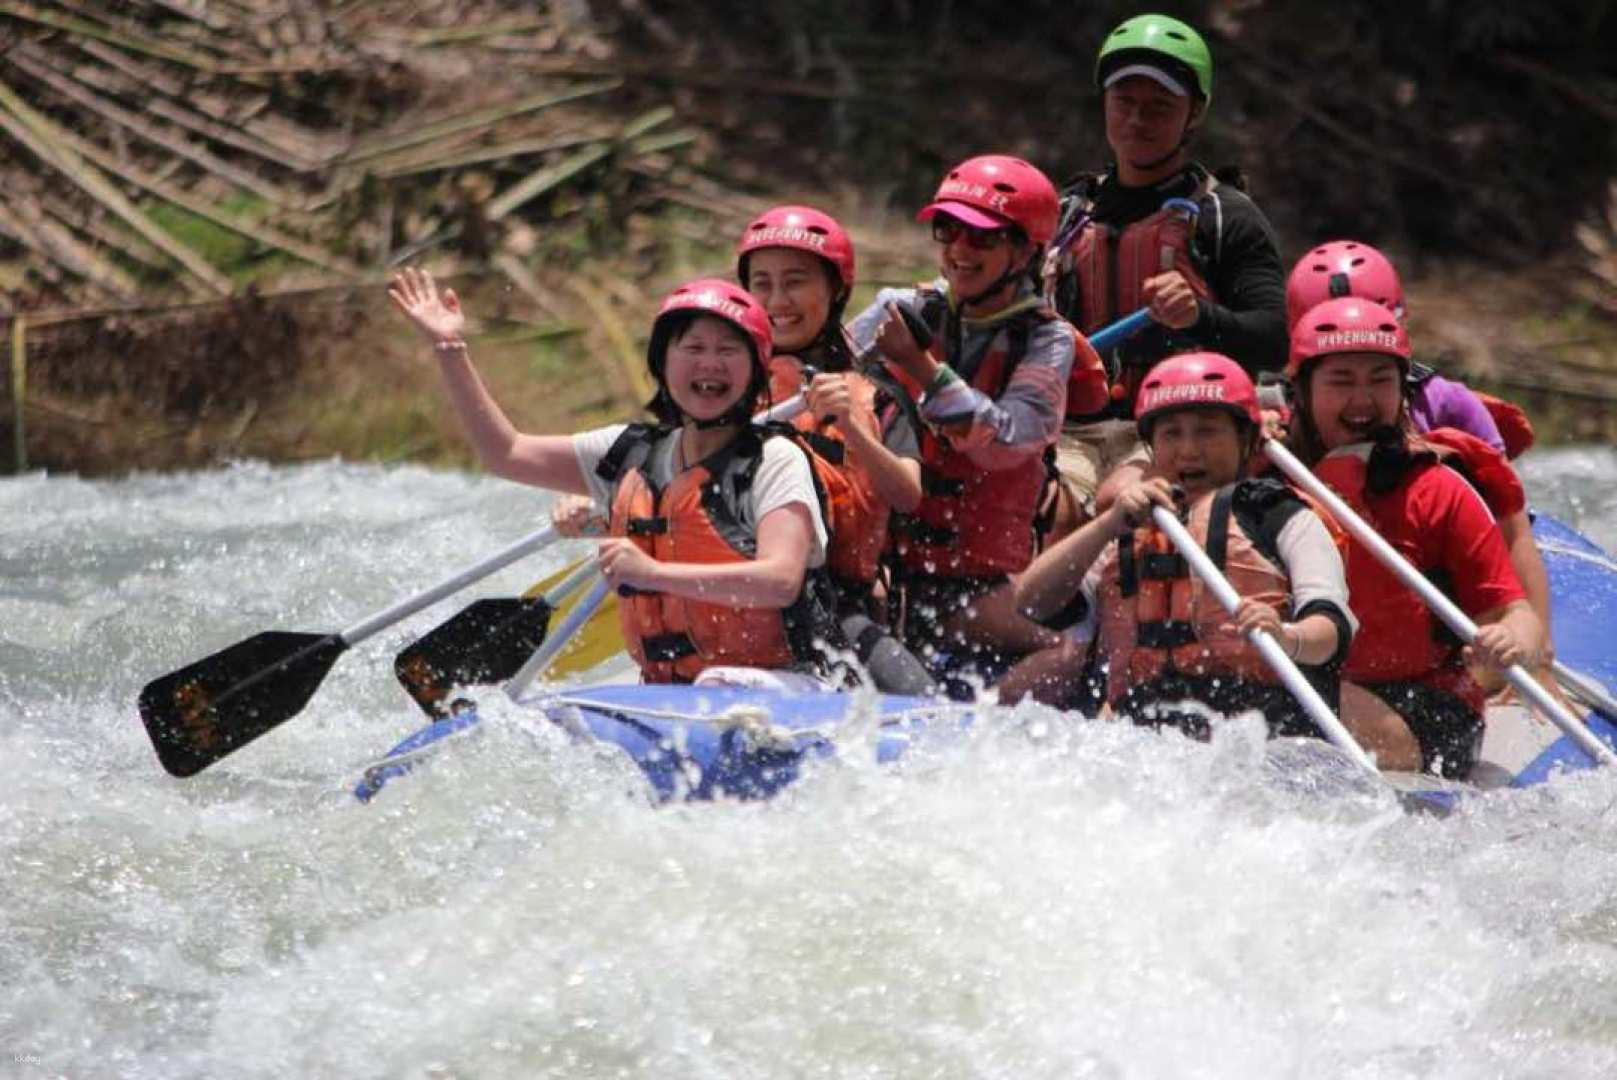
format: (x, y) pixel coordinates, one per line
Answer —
(1438, 402)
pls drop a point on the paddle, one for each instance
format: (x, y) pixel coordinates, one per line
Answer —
(1427, 802)
(1585, 688)
(1273, 654)
(1445, 609)
(488, 641)
(207, 710)
(484, 642)
(570, 626)
(465, 654)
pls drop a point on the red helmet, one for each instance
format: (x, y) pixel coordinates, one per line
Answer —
(801, 228)
(722, 300)
(1195, 380)
(1347, 325)
(1342, 268)
(996, 190)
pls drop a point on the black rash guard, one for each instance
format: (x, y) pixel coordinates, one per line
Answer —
(1237, 254)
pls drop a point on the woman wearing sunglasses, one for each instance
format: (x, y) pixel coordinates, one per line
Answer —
(986, 391)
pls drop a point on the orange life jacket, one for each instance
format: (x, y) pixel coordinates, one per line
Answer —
(1483, 467)
(974, 522)
(1157, 616)
(703, 517)
(1399, 639)
(855, 515)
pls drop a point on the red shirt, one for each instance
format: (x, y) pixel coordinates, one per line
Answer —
(1439, 523)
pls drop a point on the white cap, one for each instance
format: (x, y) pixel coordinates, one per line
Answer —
(1155, 74)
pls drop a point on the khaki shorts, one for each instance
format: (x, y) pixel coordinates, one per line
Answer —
(1088, 453)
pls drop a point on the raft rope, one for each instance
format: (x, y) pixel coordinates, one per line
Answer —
(1553, 548)
(751, 721)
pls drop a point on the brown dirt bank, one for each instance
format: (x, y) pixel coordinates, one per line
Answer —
(620, 148)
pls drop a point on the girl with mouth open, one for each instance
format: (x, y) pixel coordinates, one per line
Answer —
(1408, 694)
(985, 393)
(1164, 636)
(717, 539)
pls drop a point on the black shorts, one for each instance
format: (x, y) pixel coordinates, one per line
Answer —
(1151, 703)
(1449, 731)
(929, 602)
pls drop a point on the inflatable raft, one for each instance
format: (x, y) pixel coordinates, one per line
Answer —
(709, 742)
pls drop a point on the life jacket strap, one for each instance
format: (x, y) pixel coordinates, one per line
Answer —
(646, 526)
(1167, 634)
(922, 533)
(666, 648)
(936, 485)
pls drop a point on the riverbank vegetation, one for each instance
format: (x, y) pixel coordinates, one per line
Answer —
(203, 198)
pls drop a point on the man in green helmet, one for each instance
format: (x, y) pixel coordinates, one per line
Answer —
(1156, 231)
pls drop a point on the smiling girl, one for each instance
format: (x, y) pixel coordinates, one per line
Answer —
(1407, 694)
(1163, 635)
(798, 263)
(984, 399)
(717, 538)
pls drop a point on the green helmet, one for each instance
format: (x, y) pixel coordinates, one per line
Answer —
(1160, 43)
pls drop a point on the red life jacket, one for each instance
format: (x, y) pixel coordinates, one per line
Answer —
(1157, 616)
(855, 515)
(1399, 639)
(1112, 265)
(974, 522)
(702, 517)
(1513, 425)
(1483, 467)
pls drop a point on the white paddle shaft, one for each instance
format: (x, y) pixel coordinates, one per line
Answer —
(1445, 609)
(558, 639)
(1283, 666)
(476, 572)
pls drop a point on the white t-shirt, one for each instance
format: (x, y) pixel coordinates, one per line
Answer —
(783, 477)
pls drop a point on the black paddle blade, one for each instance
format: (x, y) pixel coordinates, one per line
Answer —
(211, 708)
(487, 642)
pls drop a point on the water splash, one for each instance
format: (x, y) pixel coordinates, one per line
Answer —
(1040, 898)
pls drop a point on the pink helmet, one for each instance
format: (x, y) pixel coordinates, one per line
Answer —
(1195, 380)
(722, 300)
(996, 190)
(1347, 325)
(1342, 268)
(801, 228)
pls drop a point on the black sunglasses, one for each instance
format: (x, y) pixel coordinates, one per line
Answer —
(946, 230)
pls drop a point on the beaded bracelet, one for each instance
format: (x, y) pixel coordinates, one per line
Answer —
(450, 345)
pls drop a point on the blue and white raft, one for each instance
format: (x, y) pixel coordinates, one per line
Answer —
(697, 743)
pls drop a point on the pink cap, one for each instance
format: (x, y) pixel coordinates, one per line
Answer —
(962, 212)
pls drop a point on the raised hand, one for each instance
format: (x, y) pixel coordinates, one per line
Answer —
(437, 316)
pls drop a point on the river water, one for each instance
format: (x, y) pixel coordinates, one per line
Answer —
(1047, 899)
